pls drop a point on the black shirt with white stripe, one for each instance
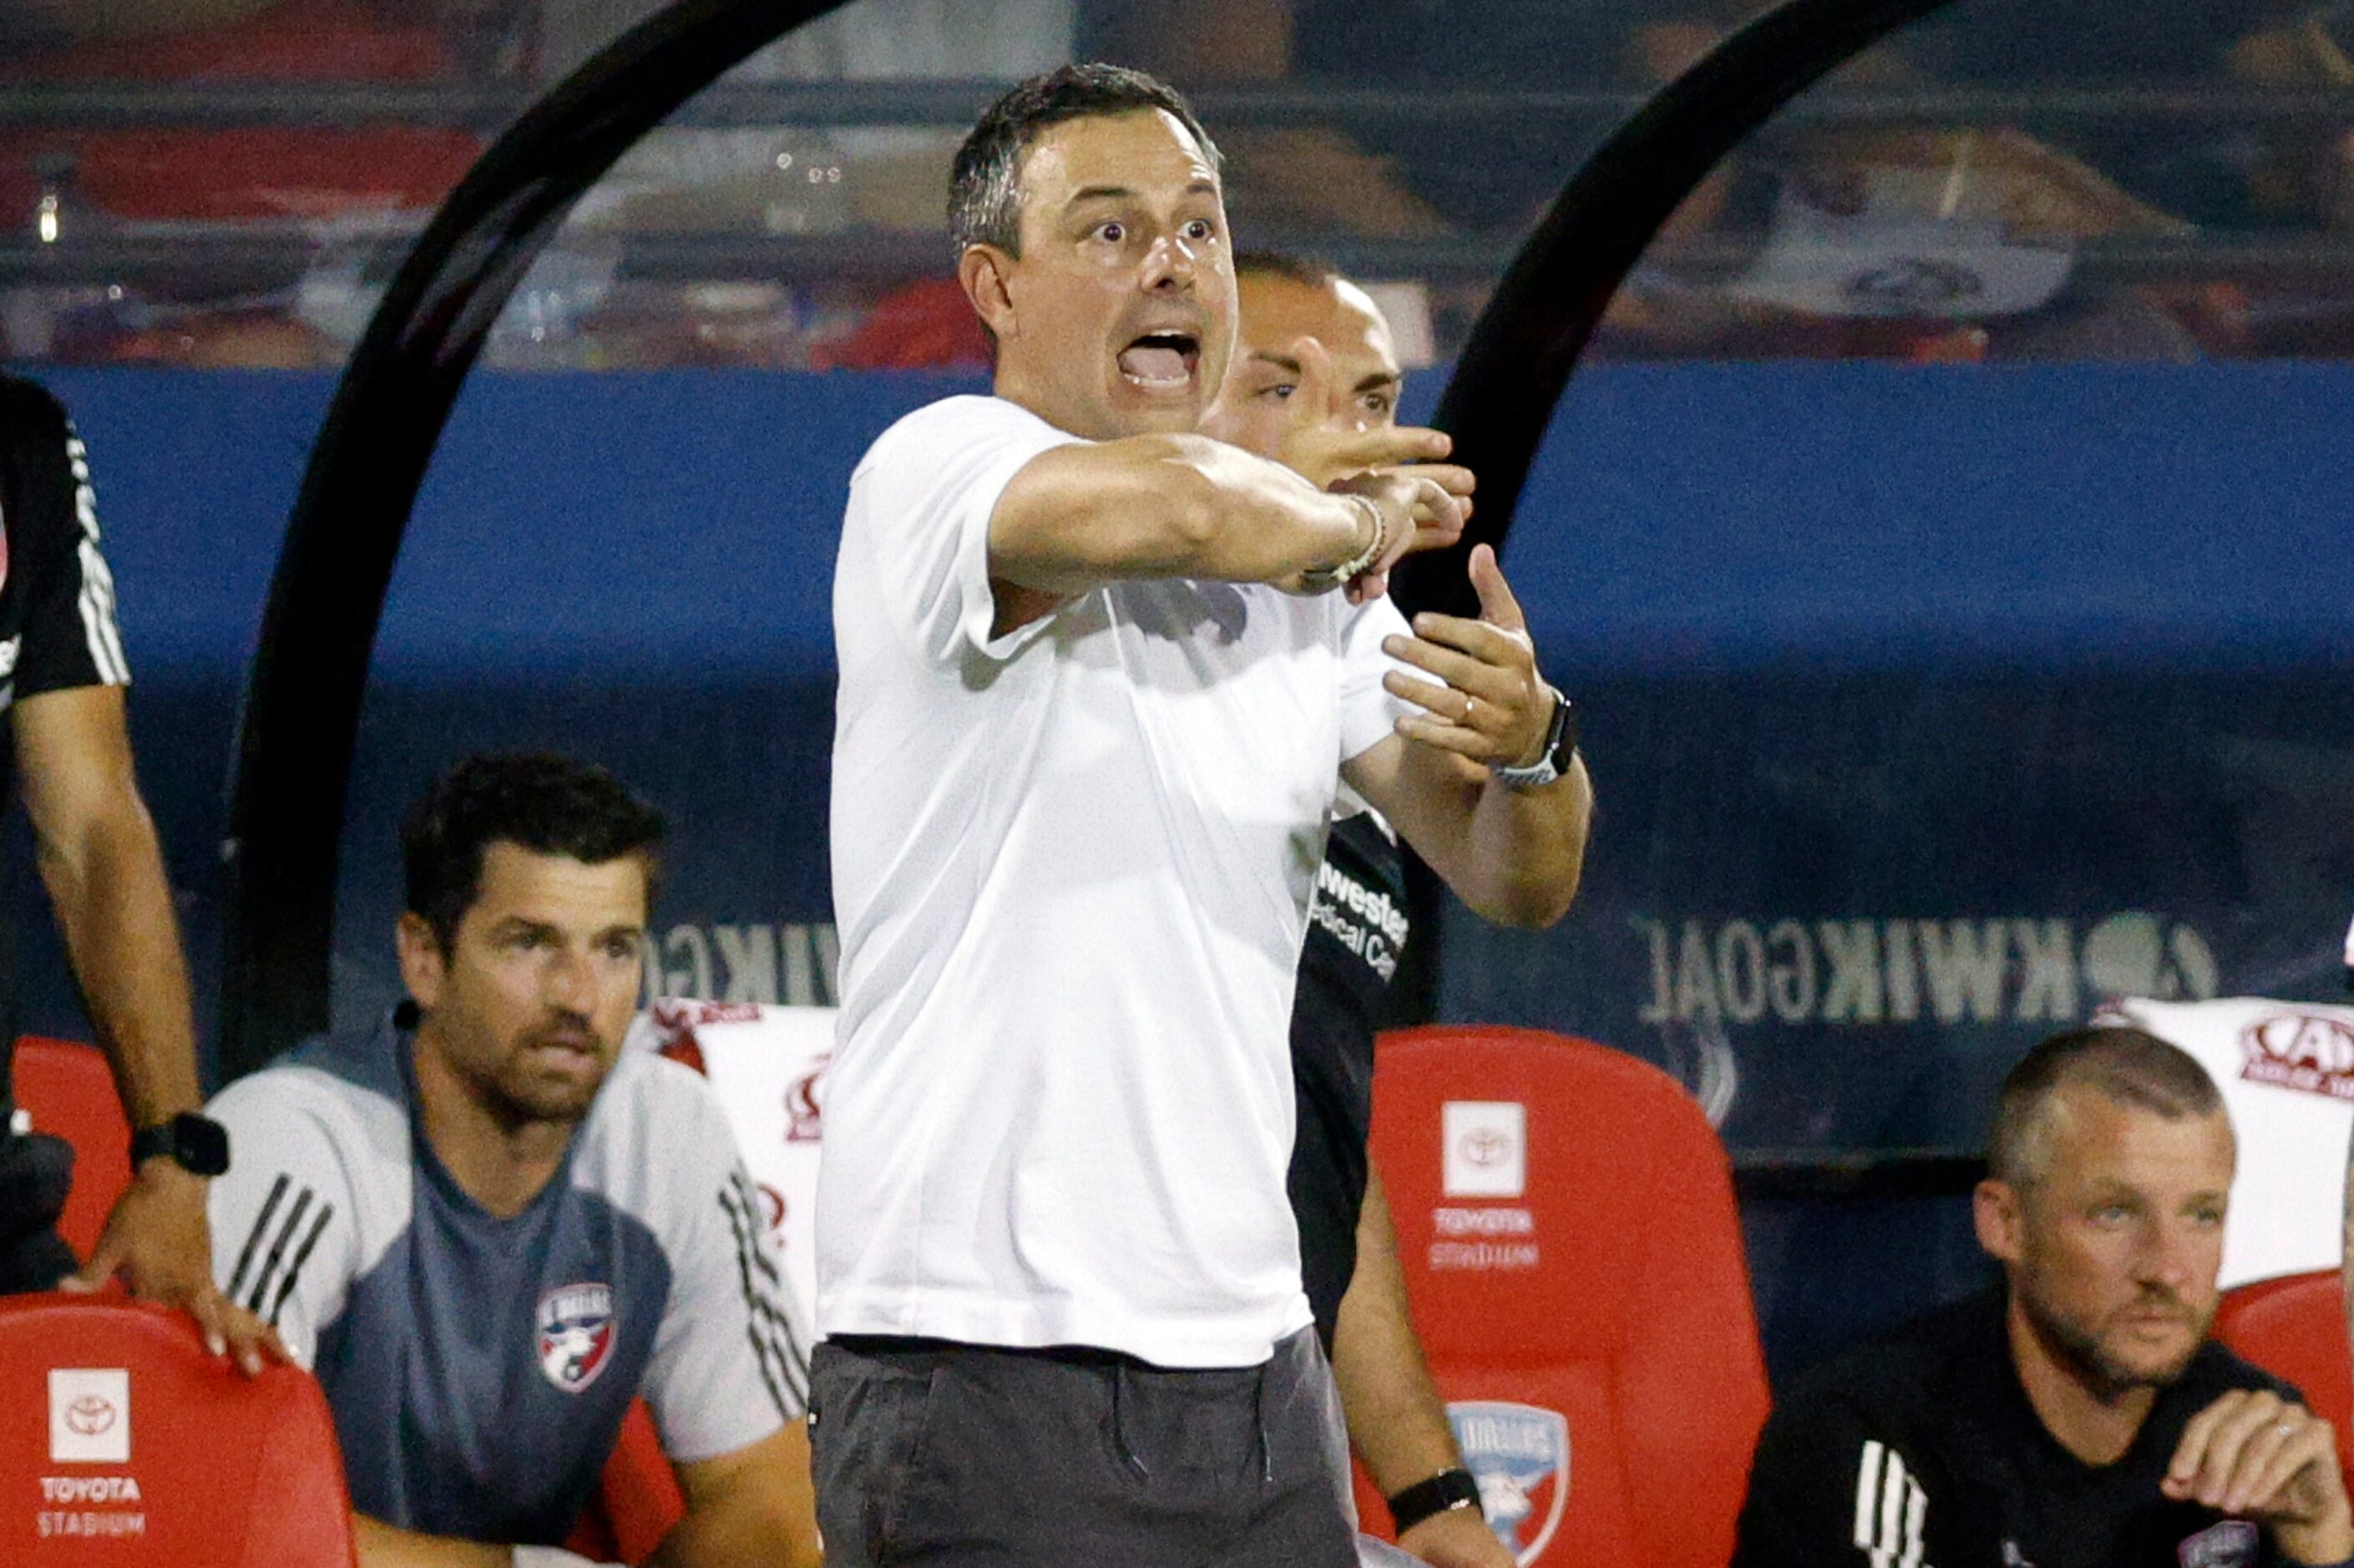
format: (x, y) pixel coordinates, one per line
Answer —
(1922, 1451)
(1357, 930)
(57, 598)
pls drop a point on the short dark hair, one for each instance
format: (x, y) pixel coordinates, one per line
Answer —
(1311, 270)
(2129, 1066)
(985, 190)
(540, 801)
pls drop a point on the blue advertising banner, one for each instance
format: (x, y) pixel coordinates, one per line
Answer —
(1924, 707)
(1840, 906)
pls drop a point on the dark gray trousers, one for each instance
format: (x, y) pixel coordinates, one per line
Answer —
(950, 1454)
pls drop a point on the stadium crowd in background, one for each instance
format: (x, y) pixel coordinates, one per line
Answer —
(1837, 196)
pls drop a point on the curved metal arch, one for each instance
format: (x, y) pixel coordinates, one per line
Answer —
(1527, 342)
(301, 706)
(301, 716)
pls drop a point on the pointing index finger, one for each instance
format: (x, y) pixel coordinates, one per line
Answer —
(1317, 398)
(1407, 448)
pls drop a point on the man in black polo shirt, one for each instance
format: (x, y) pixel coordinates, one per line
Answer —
(2081, 1415)
(62, 673)
(1308, 333)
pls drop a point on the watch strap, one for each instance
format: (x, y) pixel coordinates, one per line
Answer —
(196, 1143)
(1449, 1489)
(1560, 745)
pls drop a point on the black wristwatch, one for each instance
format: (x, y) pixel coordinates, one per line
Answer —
(1443, 1493)
(198, 1144)
(1560, 747)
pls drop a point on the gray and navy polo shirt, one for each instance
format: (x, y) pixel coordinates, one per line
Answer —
(479, 1368)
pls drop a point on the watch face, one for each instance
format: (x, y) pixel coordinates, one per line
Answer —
(1564, 734)
(200, 1144)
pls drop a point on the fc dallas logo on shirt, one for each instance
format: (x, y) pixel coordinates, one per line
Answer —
(576, 1334)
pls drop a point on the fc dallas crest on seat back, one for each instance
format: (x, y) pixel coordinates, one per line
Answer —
(1519, 1456)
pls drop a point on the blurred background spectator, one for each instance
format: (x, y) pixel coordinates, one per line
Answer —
(214, 181)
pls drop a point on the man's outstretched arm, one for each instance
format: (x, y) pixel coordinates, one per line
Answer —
(1187, 506)
(1513, 855)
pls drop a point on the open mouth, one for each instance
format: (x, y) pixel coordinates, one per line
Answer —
(1162, 361)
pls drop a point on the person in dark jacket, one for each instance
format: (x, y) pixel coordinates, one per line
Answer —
(2080, 1415)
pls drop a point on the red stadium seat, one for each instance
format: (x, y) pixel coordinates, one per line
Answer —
(68, 1089)
(1572, 1250)
(2295, 1327)
(129, 1445)
(638, 1500)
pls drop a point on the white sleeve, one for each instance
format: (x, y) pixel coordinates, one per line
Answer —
(731, 1359)
(1369, 714)
(920, 505)
(284, 1221)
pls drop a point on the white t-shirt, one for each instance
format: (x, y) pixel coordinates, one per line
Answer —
(1071, 867)
(2286, 1073)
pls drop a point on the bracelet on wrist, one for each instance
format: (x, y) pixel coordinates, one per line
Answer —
(1442, 1493)
(1373, 550)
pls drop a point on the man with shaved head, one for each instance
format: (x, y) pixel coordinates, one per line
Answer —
(2080, 1415)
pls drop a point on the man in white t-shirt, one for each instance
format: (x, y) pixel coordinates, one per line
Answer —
(1100, 677)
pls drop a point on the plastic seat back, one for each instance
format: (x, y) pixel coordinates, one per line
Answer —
(1573, 1255)
(2295, 1328)
(131, 1445)
(638, 1500)
(68, 1089)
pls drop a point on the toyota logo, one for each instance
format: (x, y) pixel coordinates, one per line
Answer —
(1485, 1146)
(89, 1414)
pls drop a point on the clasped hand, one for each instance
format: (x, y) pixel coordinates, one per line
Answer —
(2253, 1454)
